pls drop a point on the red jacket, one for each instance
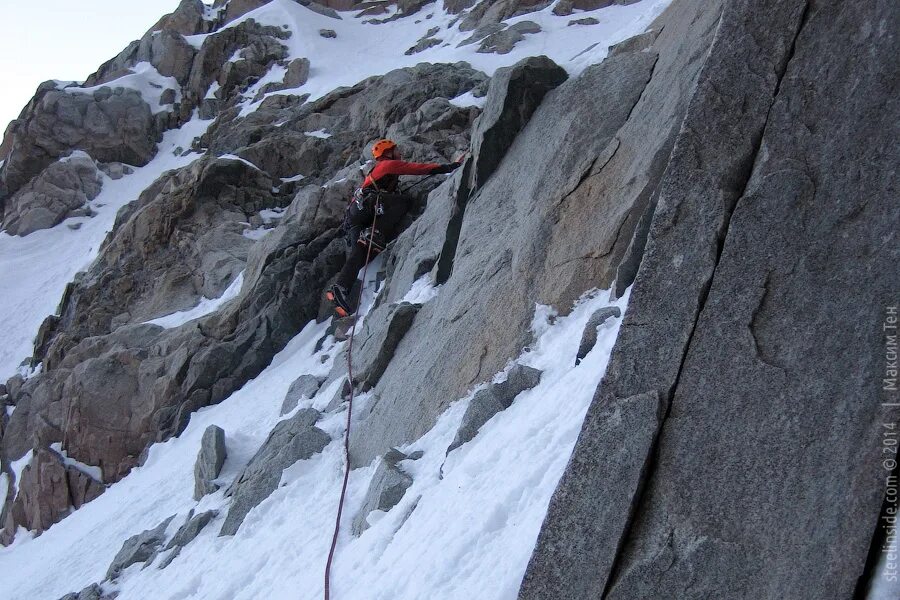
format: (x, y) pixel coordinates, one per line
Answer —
(386, 174)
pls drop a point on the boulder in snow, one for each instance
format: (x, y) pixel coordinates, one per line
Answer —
(388, 485)
(140, 548)
(91, 592)
(589, 337)
(292, 440)
(209, 461)
(304, 386)
(493, 399)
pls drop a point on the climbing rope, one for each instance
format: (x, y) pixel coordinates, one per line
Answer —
(337, 521)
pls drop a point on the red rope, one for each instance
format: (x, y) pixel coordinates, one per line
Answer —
(337, 521)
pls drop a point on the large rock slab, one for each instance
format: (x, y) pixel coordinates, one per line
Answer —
(292, 439)
(524, 238)
(819, 209)
(714, 518)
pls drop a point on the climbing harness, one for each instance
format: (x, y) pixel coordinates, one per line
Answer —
(337, 521)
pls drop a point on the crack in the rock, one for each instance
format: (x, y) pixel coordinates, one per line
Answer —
(667, 396)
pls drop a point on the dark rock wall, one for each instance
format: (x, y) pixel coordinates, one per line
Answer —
(752, 470)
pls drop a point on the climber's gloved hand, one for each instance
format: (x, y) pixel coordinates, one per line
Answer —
(445, 168)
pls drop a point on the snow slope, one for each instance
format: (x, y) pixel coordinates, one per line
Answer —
(466, 535)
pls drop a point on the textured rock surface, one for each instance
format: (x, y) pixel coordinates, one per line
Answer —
(292, 439)
(304, 386)
(518, 244)
(589, 337)
(48, 491)
(747, 448)
(60, 189)
(491, 400)
(138, 548)
(109, 124)
(386, 489)
(192, 527)
(378, 340)
(209, 463)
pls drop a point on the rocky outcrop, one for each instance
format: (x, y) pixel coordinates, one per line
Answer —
(140, 548)
(209, 463)
(91, 592)
(764, 241)
(48, 490)
(259, 47)
(111, 125)
(186, 534)
(496, 397)
(60, 191)
(589, 337)
(388, 485)
(292, 440)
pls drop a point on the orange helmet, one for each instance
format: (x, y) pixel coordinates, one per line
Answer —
(382, 146)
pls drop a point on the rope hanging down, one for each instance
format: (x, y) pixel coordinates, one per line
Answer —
(337, 521)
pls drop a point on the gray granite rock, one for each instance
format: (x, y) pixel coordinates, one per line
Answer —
(292, 440)
(91, 592)
(327, 33)
(381, 333)
(192, 527)
(388, 485)
(489, 401)
(209, 463)
(60, 191)
(304, 386)
(737, 258)
(589, 337)
(138, 548)
(523, 236)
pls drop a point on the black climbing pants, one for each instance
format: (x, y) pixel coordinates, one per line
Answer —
(394, 206)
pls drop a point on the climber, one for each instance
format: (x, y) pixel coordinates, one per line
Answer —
(379, 199)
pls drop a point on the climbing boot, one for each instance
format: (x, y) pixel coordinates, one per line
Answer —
(339, 296)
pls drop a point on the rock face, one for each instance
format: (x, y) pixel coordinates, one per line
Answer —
(209, 463)
(767, 242)
(112, 385)
(379, 338)
(292, 439)
(60, 190)
(519, 240)
(49, 489)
